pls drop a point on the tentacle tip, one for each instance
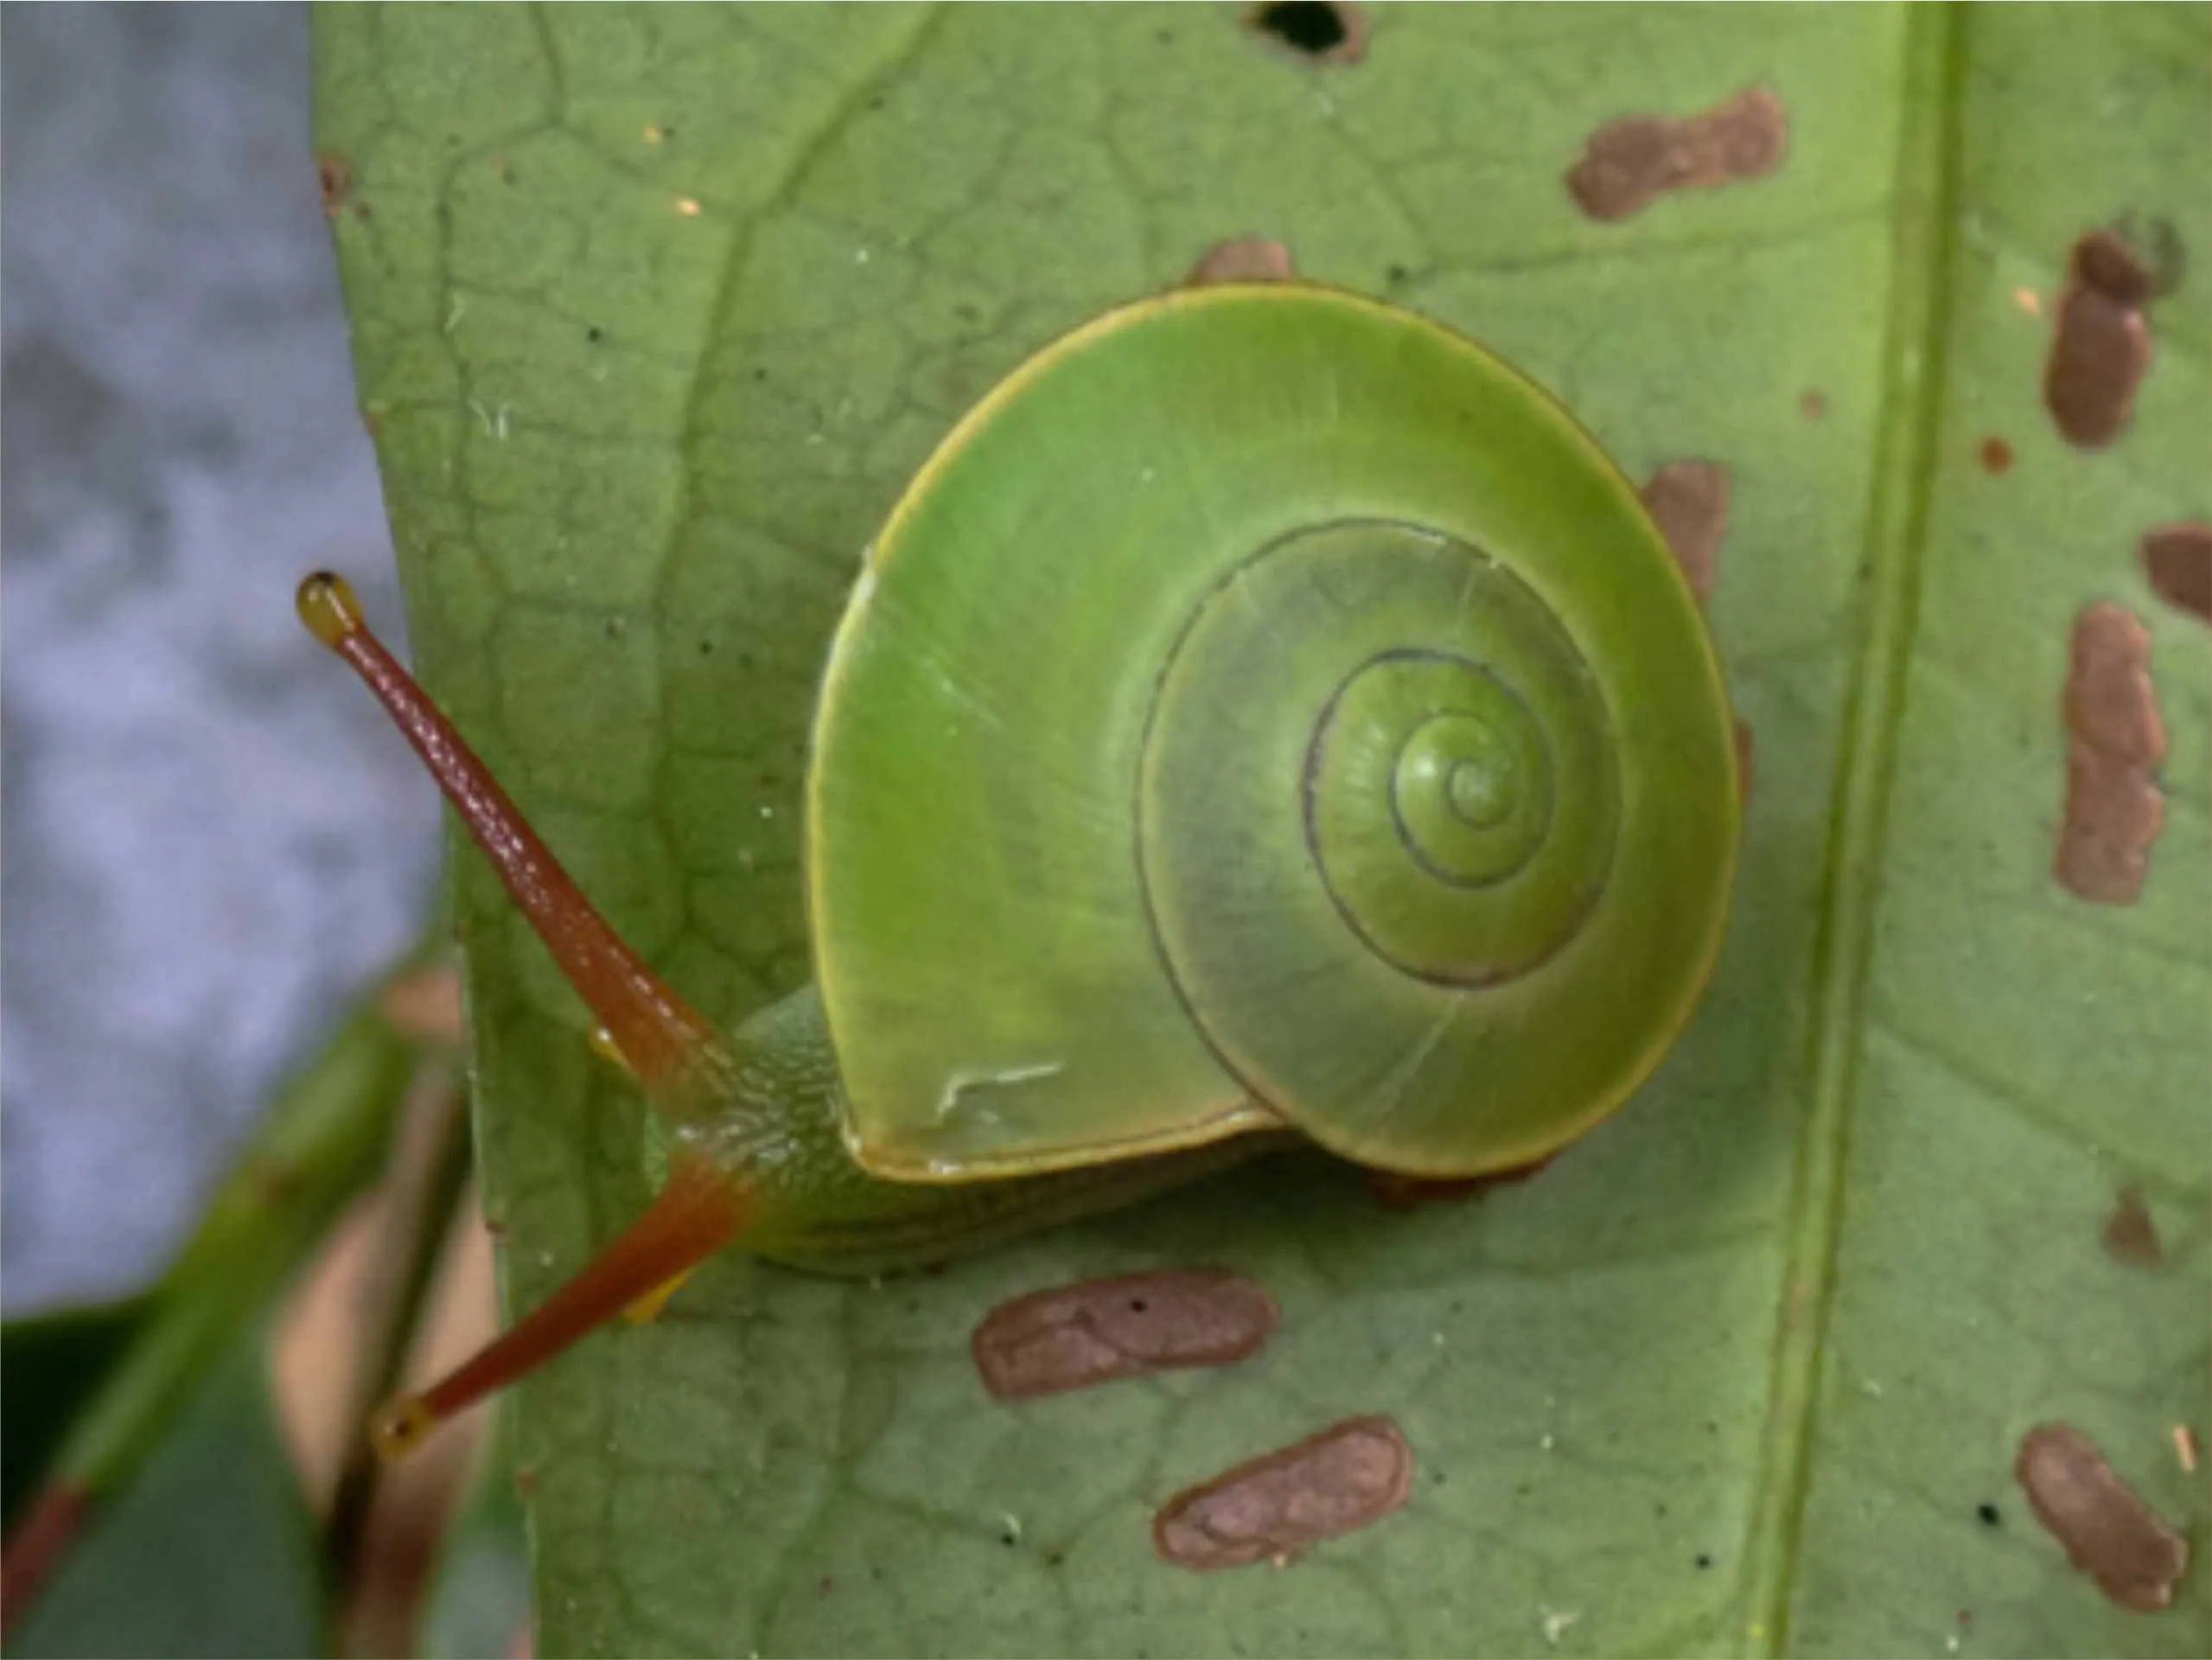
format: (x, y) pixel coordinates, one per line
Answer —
(327, 605)
(399, 1428)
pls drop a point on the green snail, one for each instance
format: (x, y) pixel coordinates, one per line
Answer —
(1267, 712)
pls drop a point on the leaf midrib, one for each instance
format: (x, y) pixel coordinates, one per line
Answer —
(1932, 97)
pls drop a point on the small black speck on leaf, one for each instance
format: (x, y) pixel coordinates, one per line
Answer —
(1703, 1560)
(1990, 1516)
(595, 334)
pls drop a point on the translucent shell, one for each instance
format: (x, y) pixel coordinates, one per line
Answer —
(1267, 706)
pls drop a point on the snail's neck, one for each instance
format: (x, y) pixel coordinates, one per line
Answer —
(757, 1102)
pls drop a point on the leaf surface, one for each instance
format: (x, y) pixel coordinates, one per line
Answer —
(656, 312)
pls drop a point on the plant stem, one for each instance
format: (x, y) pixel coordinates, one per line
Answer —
(439, 1185)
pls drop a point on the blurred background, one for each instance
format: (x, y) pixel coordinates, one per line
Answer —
(212, 845)
(210, 838)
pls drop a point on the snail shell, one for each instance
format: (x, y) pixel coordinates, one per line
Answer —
(1266, 706)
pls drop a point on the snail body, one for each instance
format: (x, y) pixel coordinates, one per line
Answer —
(1266, 713)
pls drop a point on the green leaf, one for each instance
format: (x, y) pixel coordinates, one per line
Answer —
(1736, 1373)
(207, 1548)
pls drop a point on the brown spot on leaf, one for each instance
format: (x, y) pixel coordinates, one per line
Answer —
(276, 1181)
(1320, 31)
(2109, 702)
(2114, 813)
(2115, 742)
(1996, 456)
(1688, 500)
(1275, 1507)
(2130, 1234)
(335, 175)
(1074, 1337)
(2157, 246)
(2102, 345)
(2177, 558)
(1394, 1192)
(1627, 164)
(1242, 259)
(2105, 261)
(2132, 1552)
(1813, 405)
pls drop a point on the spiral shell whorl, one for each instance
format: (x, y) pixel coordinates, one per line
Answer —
(1379, 782)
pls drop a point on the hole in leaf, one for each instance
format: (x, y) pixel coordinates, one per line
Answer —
(1326, 31)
